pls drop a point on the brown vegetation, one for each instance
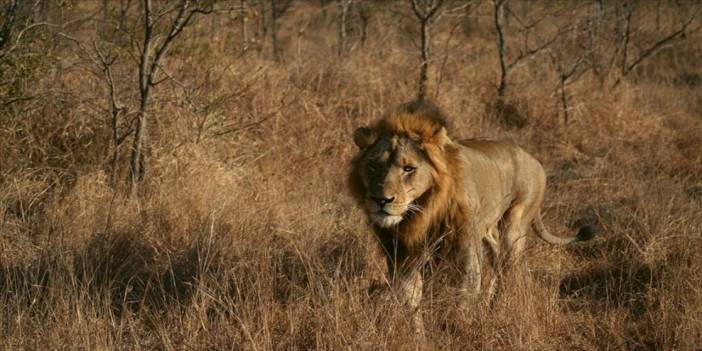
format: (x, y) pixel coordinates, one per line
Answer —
(242, 234)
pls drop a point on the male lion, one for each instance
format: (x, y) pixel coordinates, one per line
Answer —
(424, 192)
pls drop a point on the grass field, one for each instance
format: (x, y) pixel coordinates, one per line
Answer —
(242, 234)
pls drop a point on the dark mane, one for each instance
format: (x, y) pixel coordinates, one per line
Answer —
(423, 108)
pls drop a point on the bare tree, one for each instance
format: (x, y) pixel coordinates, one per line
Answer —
(153, 49)
(612, 57)
(567, 72)
(626, 65)
(424, 10)
(526, 51)
(105, 62)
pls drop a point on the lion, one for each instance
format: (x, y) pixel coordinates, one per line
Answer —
(424, 192)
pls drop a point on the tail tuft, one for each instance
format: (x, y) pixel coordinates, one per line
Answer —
(585, 233)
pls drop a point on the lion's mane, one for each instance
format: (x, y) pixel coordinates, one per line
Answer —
(443, 207)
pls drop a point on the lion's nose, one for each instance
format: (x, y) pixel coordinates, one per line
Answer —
(382, 201)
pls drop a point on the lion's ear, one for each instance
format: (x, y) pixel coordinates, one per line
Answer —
(363, 137)
(440, 137)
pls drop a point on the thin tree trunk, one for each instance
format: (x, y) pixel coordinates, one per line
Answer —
(138, 163)
(136, 171)
(342, 26)
(500, 48)
(114, 114)
(564, 101)
(114, 163)
(424, 15)
(424, 66)
(626, 34)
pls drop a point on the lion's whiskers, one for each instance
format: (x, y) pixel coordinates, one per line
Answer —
(414, 208)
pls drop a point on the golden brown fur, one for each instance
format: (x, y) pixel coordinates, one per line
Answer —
(421, 189)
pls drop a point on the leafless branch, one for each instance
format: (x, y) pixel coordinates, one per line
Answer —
(565, 75)
(496, 7)
(648, 52)
(425, 13)
(529, 52)
(104, 62)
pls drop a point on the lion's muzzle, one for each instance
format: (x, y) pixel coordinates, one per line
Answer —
(385, 220)
(384, 211)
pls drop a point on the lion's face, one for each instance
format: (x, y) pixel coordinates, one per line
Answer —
(395, 173)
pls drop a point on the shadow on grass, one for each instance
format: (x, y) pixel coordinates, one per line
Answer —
(624, 284)
(131, 273)
(27, 287)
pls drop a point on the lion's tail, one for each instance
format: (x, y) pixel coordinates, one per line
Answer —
(585, 233)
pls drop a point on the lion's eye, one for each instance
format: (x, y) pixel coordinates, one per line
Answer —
(408, 169)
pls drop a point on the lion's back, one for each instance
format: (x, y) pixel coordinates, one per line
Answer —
(498, 172)
(500, 153)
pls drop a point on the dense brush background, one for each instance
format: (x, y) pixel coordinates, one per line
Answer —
(242, 235)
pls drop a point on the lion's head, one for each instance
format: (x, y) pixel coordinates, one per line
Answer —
(395, 173)
(402, 171)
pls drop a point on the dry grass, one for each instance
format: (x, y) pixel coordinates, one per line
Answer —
(243, 236)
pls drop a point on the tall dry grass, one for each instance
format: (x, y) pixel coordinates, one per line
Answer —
(243, 236)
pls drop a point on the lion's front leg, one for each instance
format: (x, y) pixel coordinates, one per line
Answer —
(411, 286)
(472, 277)
(470, 259)
(406, 277)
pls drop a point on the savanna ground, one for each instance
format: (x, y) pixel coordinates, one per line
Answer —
(241, 234)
